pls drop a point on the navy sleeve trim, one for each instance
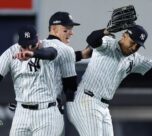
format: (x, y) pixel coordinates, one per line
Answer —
(78, 55)
(49, 53)
(95, 38)
(1, 77)
(69, 87)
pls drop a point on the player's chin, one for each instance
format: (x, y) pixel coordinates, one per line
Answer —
(127, 53)
(67, 41)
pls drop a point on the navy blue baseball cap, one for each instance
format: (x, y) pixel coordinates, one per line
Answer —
(62, 18)
(27, 36)
(138, 34)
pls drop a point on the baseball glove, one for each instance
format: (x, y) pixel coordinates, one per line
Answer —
(122, 18)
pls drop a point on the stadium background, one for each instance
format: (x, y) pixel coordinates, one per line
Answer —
(131, 107)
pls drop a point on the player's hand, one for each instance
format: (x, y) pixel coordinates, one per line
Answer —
(24, 55)
(106, 32)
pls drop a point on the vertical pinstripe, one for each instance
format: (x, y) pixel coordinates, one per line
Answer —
(105, 71)
(64, 64)
(44, 122)
(32, 86)
(40, 85)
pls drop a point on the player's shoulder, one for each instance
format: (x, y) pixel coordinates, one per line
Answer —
(136, 57)
(108, 40)
(57, 44)
(13, 48)
(61, 45)
(108, 43)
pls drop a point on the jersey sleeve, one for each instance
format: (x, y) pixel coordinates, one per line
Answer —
(48, 53)
(142, 64)
(108, 43)
(95, 38)
(5, 61)
(67, 63)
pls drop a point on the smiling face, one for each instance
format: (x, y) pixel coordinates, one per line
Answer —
(62, 32)
(127, 45)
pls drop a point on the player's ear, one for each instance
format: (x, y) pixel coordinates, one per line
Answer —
(34, 46)
(31, 47)
(54, 28)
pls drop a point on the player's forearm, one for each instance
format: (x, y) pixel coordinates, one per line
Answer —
(69, 87)
(95, 38)
(49, 53)
(84, 54)
(78, 55)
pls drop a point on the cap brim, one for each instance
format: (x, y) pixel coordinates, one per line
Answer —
(70, 24)
(66, 24)
(141, 44)
(75, 24)
(27, 43)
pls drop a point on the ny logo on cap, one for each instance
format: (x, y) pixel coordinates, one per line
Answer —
(70, 17)
(142, 36)
(27, 35)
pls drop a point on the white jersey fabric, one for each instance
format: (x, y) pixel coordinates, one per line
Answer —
(105, 71)
(64, 63)
(64, 66)
(33, 79)
(33, 84)
(108, 67)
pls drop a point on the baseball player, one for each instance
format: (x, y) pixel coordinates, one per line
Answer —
(37, 113)
(111, 62)
(60, 31)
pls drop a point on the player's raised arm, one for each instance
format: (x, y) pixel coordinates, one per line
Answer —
(31, 47)
(84, 54)
(48, 53)
(95, 38)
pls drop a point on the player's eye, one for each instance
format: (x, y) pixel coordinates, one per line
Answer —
(123, 35)
(65, 31)
(132, 43)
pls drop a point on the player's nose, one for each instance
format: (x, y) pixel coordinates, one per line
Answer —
(71, 32)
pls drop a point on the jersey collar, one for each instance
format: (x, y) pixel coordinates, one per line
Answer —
(50, 37)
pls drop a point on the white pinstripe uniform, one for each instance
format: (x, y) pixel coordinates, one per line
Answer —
(64, 64)
(105, 71)
(33, 84)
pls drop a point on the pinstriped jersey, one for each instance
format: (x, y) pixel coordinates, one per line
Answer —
(64, 63)
(108, 67)
(33, 79)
